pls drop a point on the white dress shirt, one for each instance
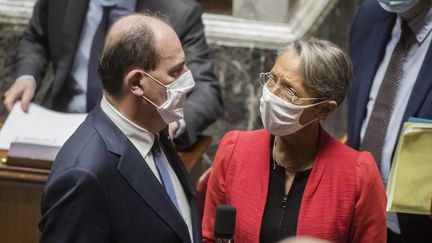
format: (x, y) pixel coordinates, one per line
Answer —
(421, 27)
(143, 141)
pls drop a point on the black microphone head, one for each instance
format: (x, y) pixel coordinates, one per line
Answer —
(225, 222)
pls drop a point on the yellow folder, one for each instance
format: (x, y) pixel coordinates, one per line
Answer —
(409, 189)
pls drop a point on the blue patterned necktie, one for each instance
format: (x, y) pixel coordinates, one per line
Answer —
(162, 168)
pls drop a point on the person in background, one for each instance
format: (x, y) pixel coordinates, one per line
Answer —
(292, 178)
(390, 45)
(118, 178)
(70, 35)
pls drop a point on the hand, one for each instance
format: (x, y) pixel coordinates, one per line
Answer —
(22, 89)
(172, 128)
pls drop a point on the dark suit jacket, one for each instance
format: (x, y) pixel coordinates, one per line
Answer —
(370, 33)
(100, 189)
(53, 35)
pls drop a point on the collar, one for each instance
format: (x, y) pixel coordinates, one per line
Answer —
(421, 26)
(139, 136)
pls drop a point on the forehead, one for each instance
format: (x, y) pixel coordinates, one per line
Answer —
(169, 48)
(287, 62)
(287, 71)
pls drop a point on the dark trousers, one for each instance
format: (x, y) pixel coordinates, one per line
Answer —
(393, 237)
(414, 229)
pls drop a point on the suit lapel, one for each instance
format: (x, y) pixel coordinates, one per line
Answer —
(372, 56)
(421, 88)
(140, 5)
(177, 164)
(318, 167)
(184, 178)
(136, 172)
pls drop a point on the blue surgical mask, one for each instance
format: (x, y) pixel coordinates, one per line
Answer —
(399, 6)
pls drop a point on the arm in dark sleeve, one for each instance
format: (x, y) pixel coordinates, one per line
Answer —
(32, 54)
(74, 209)
(204, 103)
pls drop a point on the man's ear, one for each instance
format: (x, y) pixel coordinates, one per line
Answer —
(326, 109)
(134, 82)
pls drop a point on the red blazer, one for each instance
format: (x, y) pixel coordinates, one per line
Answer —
(344, 199)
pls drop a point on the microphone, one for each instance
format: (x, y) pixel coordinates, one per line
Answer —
(225, 223)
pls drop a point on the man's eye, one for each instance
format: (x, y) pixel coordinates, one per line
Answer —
(175, 73)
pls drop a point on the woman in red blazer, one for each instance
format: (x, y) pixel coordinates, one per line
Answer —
(293, 179)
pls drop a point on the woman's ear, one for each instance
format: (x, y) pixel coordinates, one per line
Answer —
(326, 109)
(134, 82)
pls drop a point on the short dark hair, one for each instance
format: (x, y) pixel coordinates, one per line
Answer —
(133, 48)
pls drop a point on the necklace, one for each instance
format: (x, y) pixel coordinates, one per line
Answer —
(276, 161)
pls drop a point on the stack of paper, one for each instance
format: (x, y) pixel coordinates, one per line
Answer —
(409, 188)
(33, 139)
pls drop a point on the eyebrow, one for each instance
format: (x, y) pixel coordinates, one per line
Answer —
(177, 67)
(287, 85)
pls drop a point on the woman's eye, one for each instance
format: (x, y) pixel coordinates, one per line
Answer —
(292, 91)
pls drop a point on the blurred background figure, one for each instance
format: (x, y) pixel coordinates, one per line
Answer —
(70, 35)
(291, 177)
(390, 48)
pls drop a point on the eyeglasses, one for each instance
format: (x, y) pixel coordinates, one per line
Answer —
(283, 92)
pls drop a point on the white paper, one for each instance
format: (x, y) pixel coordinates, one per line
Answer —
(39, 126)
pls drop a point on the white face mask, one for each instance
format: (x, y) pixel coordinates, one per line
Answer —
(172, 109)
(397, 6)
(281, 117)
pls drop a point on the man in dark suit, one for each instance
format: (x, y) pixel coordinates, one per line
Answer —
(64, 32)
(118, 178)
(390, 45)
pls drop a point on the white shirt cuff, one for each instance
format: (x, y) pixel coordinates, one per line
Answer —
(27, 77)
(180, 129)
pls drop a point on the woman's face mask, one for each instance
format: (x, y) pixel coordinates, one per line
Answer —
(281, 117)
(176, 92)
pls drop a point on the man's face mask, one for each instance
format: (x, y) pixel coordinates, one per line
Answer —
(399, 6)
(281, 117)
(172, 109)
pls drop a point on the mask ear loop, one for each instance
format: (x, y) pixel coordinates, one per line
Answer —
(313, 120)
(151, 102)
(154, 79)
(158, 82)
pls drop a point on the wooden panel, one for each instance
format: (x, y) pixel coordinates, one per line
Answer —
(191, 158)
(20, 197)
(217, 6)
